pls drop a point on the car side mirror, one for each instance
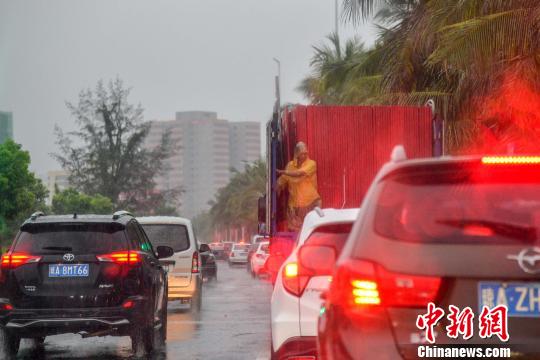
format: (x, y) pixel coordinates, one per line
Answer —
(204, 248)
(318, 259)
(164, 252)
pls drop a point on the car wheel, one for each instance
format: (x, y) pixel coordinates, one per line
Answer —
(196, 302)
(37, 342)
(138, 342)
(9, 344)
(156, 340)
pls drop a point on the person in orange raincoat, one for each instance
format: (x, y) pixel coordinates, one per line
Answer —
(300, 179)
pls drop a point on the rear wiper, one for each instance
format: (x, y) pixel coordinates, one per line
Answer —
(58, 248)
(525, 234)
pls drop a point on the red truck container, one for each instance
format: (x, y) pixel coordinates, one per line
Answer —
(349, 144)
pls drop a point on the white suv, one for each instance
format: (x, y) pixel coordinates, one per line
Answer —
(185, 279)
(296, 300)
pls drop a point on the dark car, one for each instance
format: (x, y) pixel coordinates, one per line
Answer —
(208, 262)
(91, 275)
(450, 231)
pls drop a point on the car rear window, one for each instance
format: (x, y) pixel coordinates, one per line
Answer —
(241, 247)
(175, 236)
(265, 248)
(500, 206)
(334, 235)
(78, 239)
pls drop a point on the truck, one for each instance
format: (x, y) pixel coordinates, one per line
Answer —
(349, 144)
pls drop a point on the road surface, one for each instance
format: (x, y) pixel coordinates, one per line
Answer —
(234, 324)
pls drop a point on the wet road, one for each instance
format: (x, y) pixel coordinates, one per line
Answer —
(234, 324)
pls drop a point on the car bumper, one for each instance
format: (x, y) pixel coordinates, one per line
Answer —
(44, 322)
(179, 290)
(305, 347)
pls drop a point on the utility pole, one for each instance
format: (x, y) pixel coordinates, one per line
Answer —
(336, 13)
(278, 84)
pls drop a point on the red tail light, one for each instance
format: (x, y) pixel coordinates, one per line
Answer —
(195, 263)
(11, 261)
(122, 257)
(359, 284)
(293, 281)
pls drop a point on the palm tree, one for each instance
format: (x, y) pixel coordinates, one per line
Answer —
(463, 54)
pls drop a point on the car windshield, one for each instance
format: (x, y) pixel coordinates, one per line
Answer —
(77, 239)
(464, 209)
(173, 235)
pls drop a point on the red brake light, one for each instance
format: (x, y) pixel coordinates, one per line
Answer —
(195, 263)
(359, 284)
(510, 160)
(293, 281)
(128, 304)
(121, 257)
(11, 261)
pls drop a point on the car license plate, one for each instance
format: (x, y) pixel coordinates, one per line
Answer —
(522, 299)
(71, 270)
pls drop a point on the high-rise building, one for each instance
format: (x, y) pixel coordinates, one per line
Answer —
(204, 149)
(244, 143)
(6, 126)
(56, 180)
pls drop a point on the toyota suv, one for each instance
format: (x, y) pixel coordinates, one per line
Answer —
(91, 275)
(440, 236)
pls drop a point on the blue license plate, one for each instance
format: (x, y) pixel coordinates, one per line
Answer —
(71, 270)
(522, 299)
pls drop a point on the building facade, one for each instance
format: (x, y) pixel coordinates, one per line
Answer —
(56, 180)
(244, 143)
(204, 150)
(6, 126)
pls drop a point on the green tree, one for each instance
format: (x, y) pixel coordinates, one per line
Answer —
(107, 156)
(22, 192)
(469, 56)
(236, 204)
(70, 201)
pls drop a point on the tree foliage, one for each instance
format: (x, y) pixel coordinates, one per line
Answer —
(236, 204)
(462, 54)
(106, 155)
(21, 192)
(70, 201)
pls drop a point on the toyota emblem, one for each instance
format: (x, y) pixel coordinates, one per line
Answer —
(68, 257)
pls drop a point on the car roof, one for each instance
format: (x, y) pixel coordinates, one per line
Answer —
(165, 220)
(76, 218)
(327, 216)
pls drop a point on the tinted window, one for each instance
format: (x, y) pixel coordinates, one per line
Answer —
(175, 236)
(330, 235)
(74, 238)
(467, 207)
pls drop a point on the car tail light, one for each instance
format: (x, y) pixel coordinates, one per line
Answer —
(128, 304)
(121, 257)
(510, 160)
(293, 282)
(11, 261)
(359, 284)
(6, 306)
(195, 263)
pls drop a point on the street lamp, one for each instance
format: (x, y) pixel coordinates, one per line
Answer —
(278, 82)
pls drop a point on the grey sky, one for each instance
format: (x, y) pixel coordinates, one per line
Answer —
(176, 54)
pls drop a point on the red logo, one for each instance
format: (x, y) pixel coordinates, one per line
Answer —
(429, 321)
(494, 322)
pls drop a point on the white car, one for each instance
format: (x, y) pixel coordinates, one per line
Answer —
(296, 299)
(185, 279)
(259, 258)
(239, 253)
